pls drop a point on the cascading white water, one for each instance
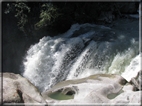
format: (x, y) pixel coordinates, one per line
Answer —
(132, 70)
(47, 61)
(82, 51)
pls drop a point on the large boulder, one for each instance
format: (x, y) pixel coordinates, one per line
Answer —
(128, 97)
(17, 89)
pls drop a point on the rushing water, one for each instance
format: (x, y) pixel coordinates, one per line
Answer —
(83, 50)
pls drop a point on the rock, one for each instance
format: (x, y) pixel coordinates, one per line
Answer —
(17, 89)
(69, 91)
(136, 81)
(93, 89)
(128, 97)
(96, 89)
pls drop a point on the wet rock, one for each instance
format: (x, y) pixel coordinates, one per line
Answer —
(128, 97)
(136, 81)
(96, 89)
(17, 89)
(69, 91)
(93, 89)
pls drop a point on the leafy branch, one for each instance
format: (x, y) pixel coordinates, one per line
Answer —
(21, 14)
(48, 15)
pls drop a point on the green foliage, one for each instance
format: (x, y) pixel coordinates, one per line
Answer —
(8, 8)
(48, 15)
(21, 14)
(20, 10)
(52, 15)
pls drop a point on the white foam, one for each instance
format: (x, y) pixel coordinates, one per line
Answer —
(79, 65)
(55, 59)
(47, 60)
(132, 70)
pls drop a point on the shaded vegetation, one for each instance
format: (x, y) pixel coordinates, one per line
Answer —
(47, 16)
(59, 16)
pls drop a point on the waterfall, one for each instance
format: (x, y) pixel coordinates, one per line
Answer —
(132, 70)
(83, 50)
(47, 61)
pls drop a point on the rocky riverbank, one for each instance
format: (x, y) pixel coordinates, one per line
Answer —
(95, 89)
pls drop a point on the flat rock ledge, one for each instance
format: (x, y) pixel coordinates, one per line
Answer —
(100, 89)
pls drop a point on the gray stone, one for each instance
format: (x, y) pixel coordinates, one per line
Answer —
(93, 89)
(97, 89)
(17, 89)
(136, 81)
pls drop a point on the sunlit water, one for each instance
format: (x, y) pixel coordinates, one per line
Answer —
(83, 50)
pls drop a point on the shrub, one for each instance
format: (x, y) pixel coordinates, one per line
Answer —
(48, 15)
